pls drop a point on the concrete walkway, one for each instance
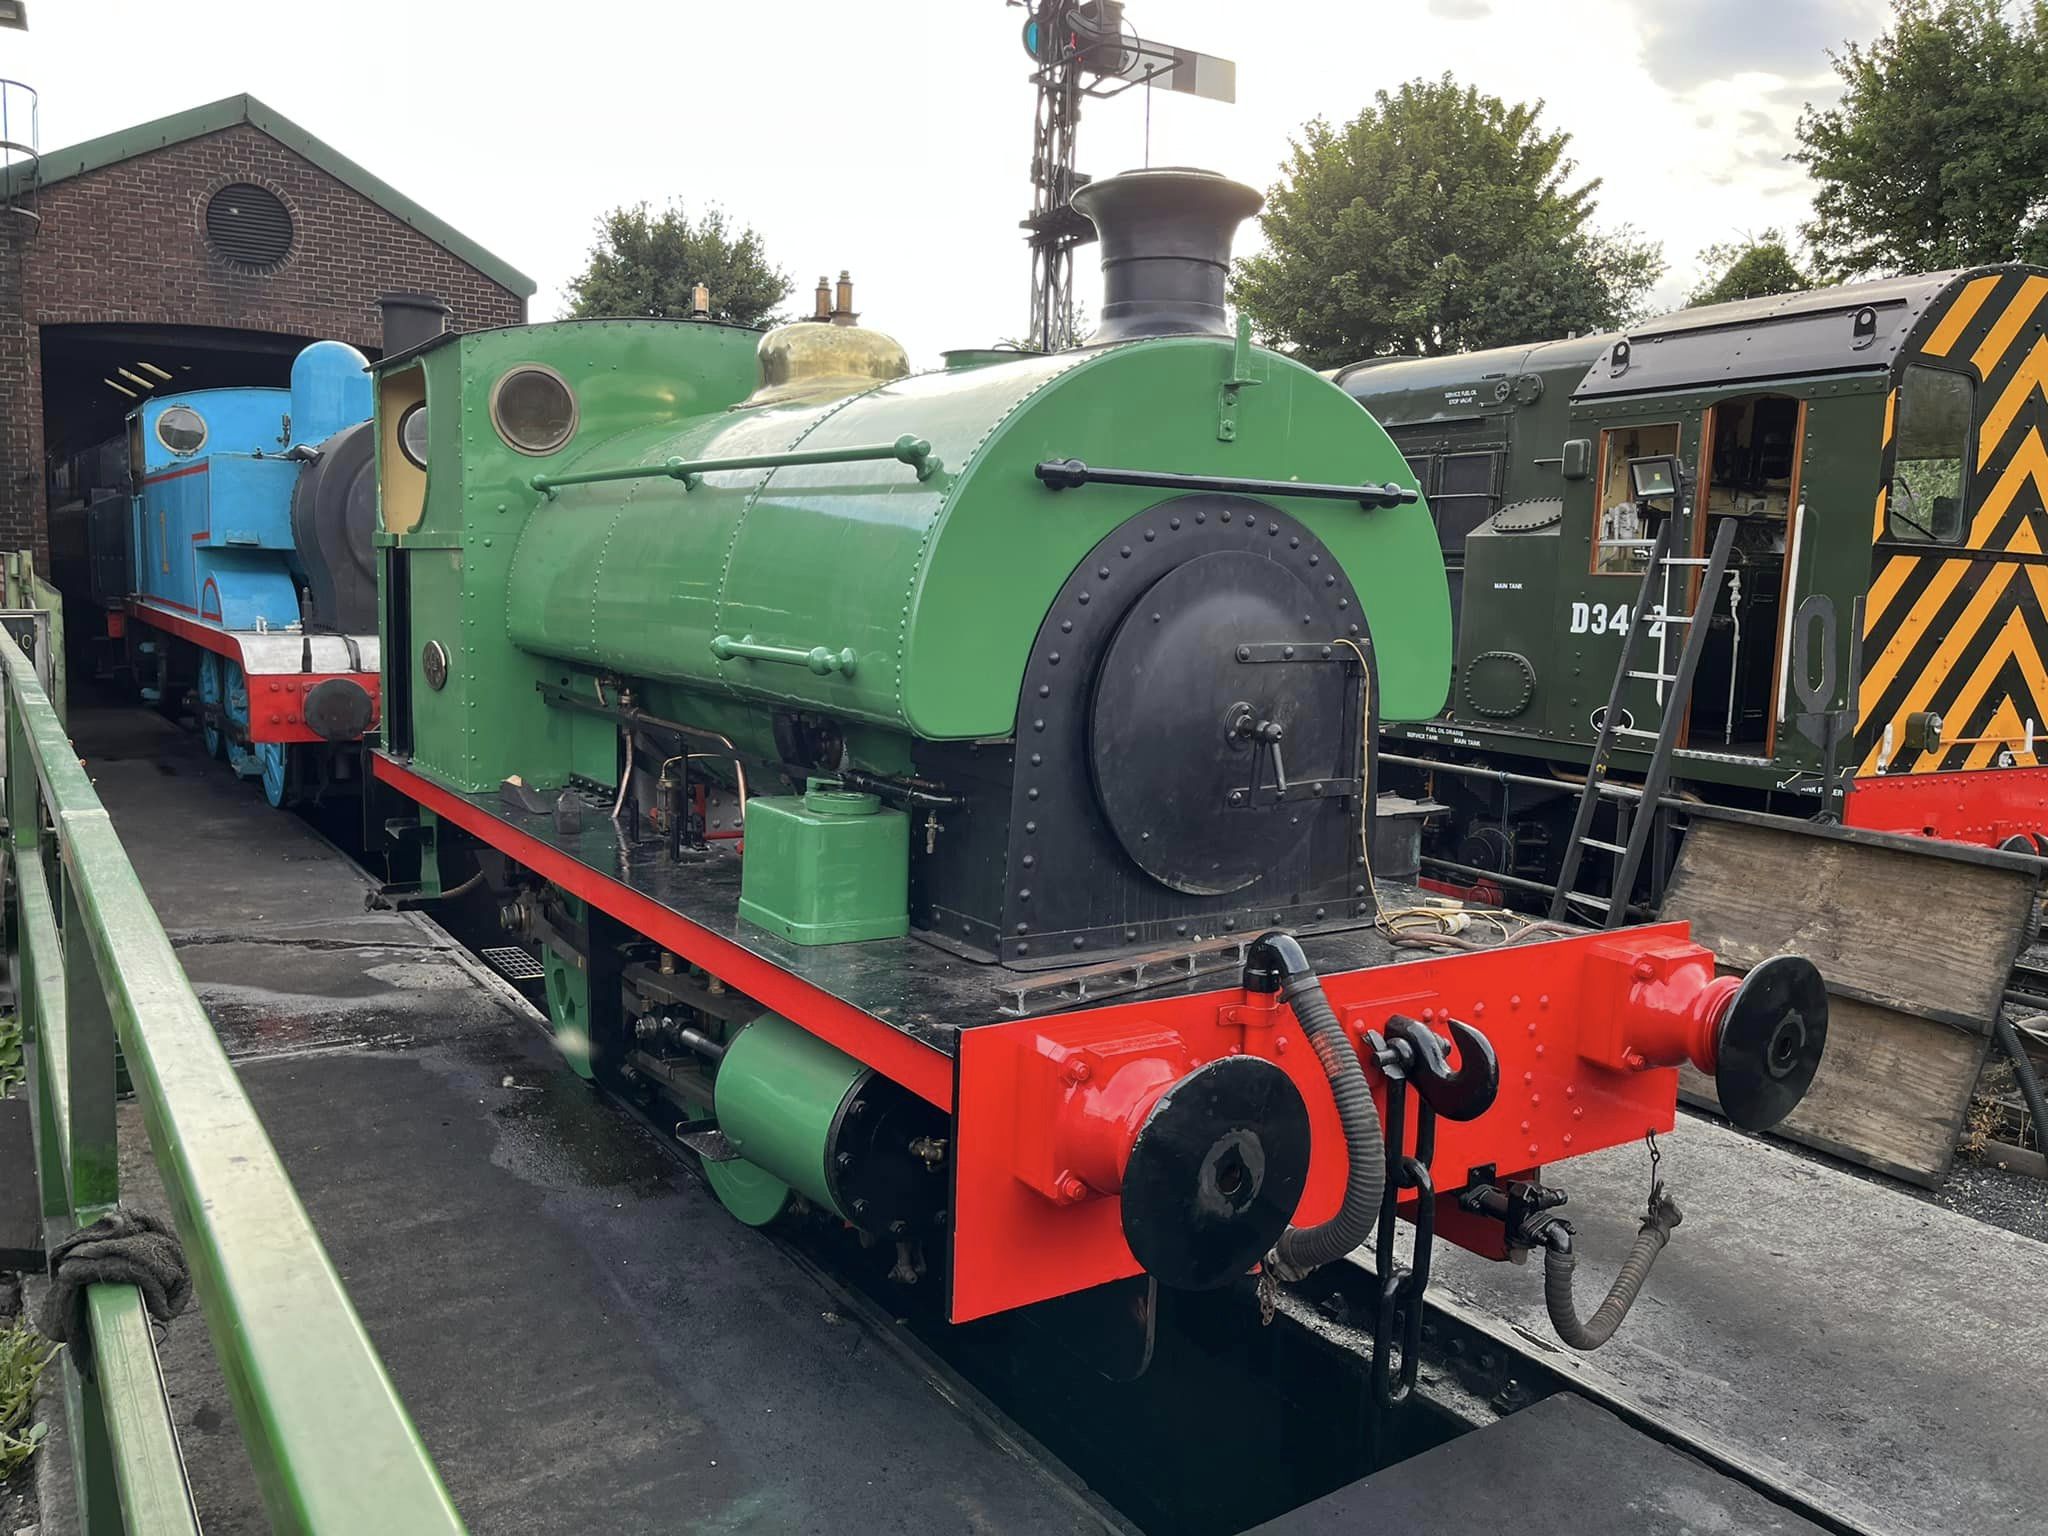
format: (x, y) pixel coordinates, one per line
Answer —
(585, 1340)
(1883, 1357)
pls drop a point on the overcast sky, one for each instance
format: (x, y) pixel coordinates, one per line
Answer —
(894, 138)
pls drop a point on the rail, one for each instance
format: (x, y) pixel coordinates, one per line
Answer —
(99, 988)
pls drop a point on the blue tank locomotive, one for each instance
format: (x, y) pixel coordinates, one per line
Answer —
(251, 571)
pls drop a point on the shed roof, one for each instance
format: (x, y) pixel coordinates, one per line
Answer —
(110, 149)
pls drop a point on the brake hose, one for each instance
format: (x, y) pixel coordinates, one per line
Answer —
(1559, 1263)
(1301, 1249)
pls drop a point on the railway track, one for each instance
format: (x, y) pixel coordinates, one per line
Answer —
(2029, 985)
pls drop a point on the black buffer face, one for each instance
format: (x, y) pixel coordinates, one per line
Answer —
(1216, 1173)
(1771, 1042)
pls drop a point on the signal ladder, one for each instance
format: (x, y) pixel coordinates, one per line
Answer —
(1635, 806)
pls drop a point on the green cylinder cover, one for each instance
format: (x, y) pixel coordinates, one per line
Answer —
(778, 1099)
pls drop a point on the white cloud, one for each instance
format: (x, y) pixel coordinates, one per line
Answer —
(894, 138)
(1689, 42)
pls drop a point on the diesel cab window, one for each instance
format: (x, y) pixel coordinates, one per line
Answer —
(1924, 502)
(1622, 520)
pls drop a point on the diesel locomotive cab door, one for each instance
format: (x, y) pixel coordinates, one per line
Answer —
(1622, 524)
(1750, 473)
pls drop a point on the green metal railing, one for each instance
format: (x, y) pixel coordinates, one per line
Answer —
(333, 1448)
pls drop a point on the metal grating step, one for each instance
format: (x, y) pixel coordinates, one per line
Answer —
(1722, 757)
(514, 963)
(711, 1146)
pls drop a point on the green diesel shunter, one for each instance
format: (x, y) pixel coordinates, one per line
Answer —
(1875, 653)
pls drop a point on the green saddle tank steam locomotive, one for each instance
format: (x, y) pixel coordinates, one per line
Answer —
(944, 799)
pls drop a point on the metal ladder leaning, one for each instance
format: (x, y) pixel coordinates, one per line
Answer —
(1635, 809)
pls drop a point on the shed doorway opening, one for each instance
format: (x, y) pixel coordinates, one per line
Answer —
(93, 376)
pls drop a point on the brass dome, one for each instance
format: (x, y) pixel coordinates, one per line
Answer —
(809, 363)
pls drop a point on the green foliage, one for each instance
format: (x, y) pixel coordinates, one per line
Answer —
(645, 264)
(23, 1354)
(1936, 154)
(1078, 327)
(1437, 220)
(11, 1068)
(1754, 267)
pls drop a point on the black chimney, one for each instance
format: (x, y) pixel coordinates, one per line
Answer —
(1166, 237)
(410, 319)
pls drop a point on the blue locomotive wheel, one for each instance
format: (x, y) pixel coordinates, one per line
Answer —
(274, 760)
(235, 704)
(210, 691)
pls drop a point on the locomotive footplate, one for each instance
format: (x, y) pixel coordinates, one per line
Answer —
(1063, 1158)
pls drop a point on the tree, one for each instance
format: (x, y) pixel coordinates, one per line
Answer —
(645, 264)
(1937, 152)
(1437, 220)
(1753, 267)
(1068, 332)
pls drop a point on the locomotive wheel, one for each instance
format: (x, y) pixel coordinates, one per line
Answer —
(752, 1194)
(273, 761)
(211, 693)
(1771, 1042)
(1196, 717)
(267, 762)
(235, 705)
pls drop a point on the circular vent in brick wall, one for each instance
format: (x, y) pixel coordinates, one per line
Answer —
(248, 227)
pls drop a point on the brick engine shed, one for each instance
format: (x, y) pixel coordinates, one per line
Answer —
(201, 250)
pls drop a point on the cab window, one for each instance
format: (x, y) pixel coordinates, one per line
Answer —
(1924, 502)
(1622, 532)
(182, 430)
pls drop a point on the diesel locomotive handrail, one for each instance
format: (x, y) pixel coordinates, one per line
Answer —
(907, 449)
(1072, 474)
(331, 1444)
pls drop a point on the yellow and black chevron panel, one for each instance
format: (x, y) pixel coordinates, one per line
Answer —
(1960, 630)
